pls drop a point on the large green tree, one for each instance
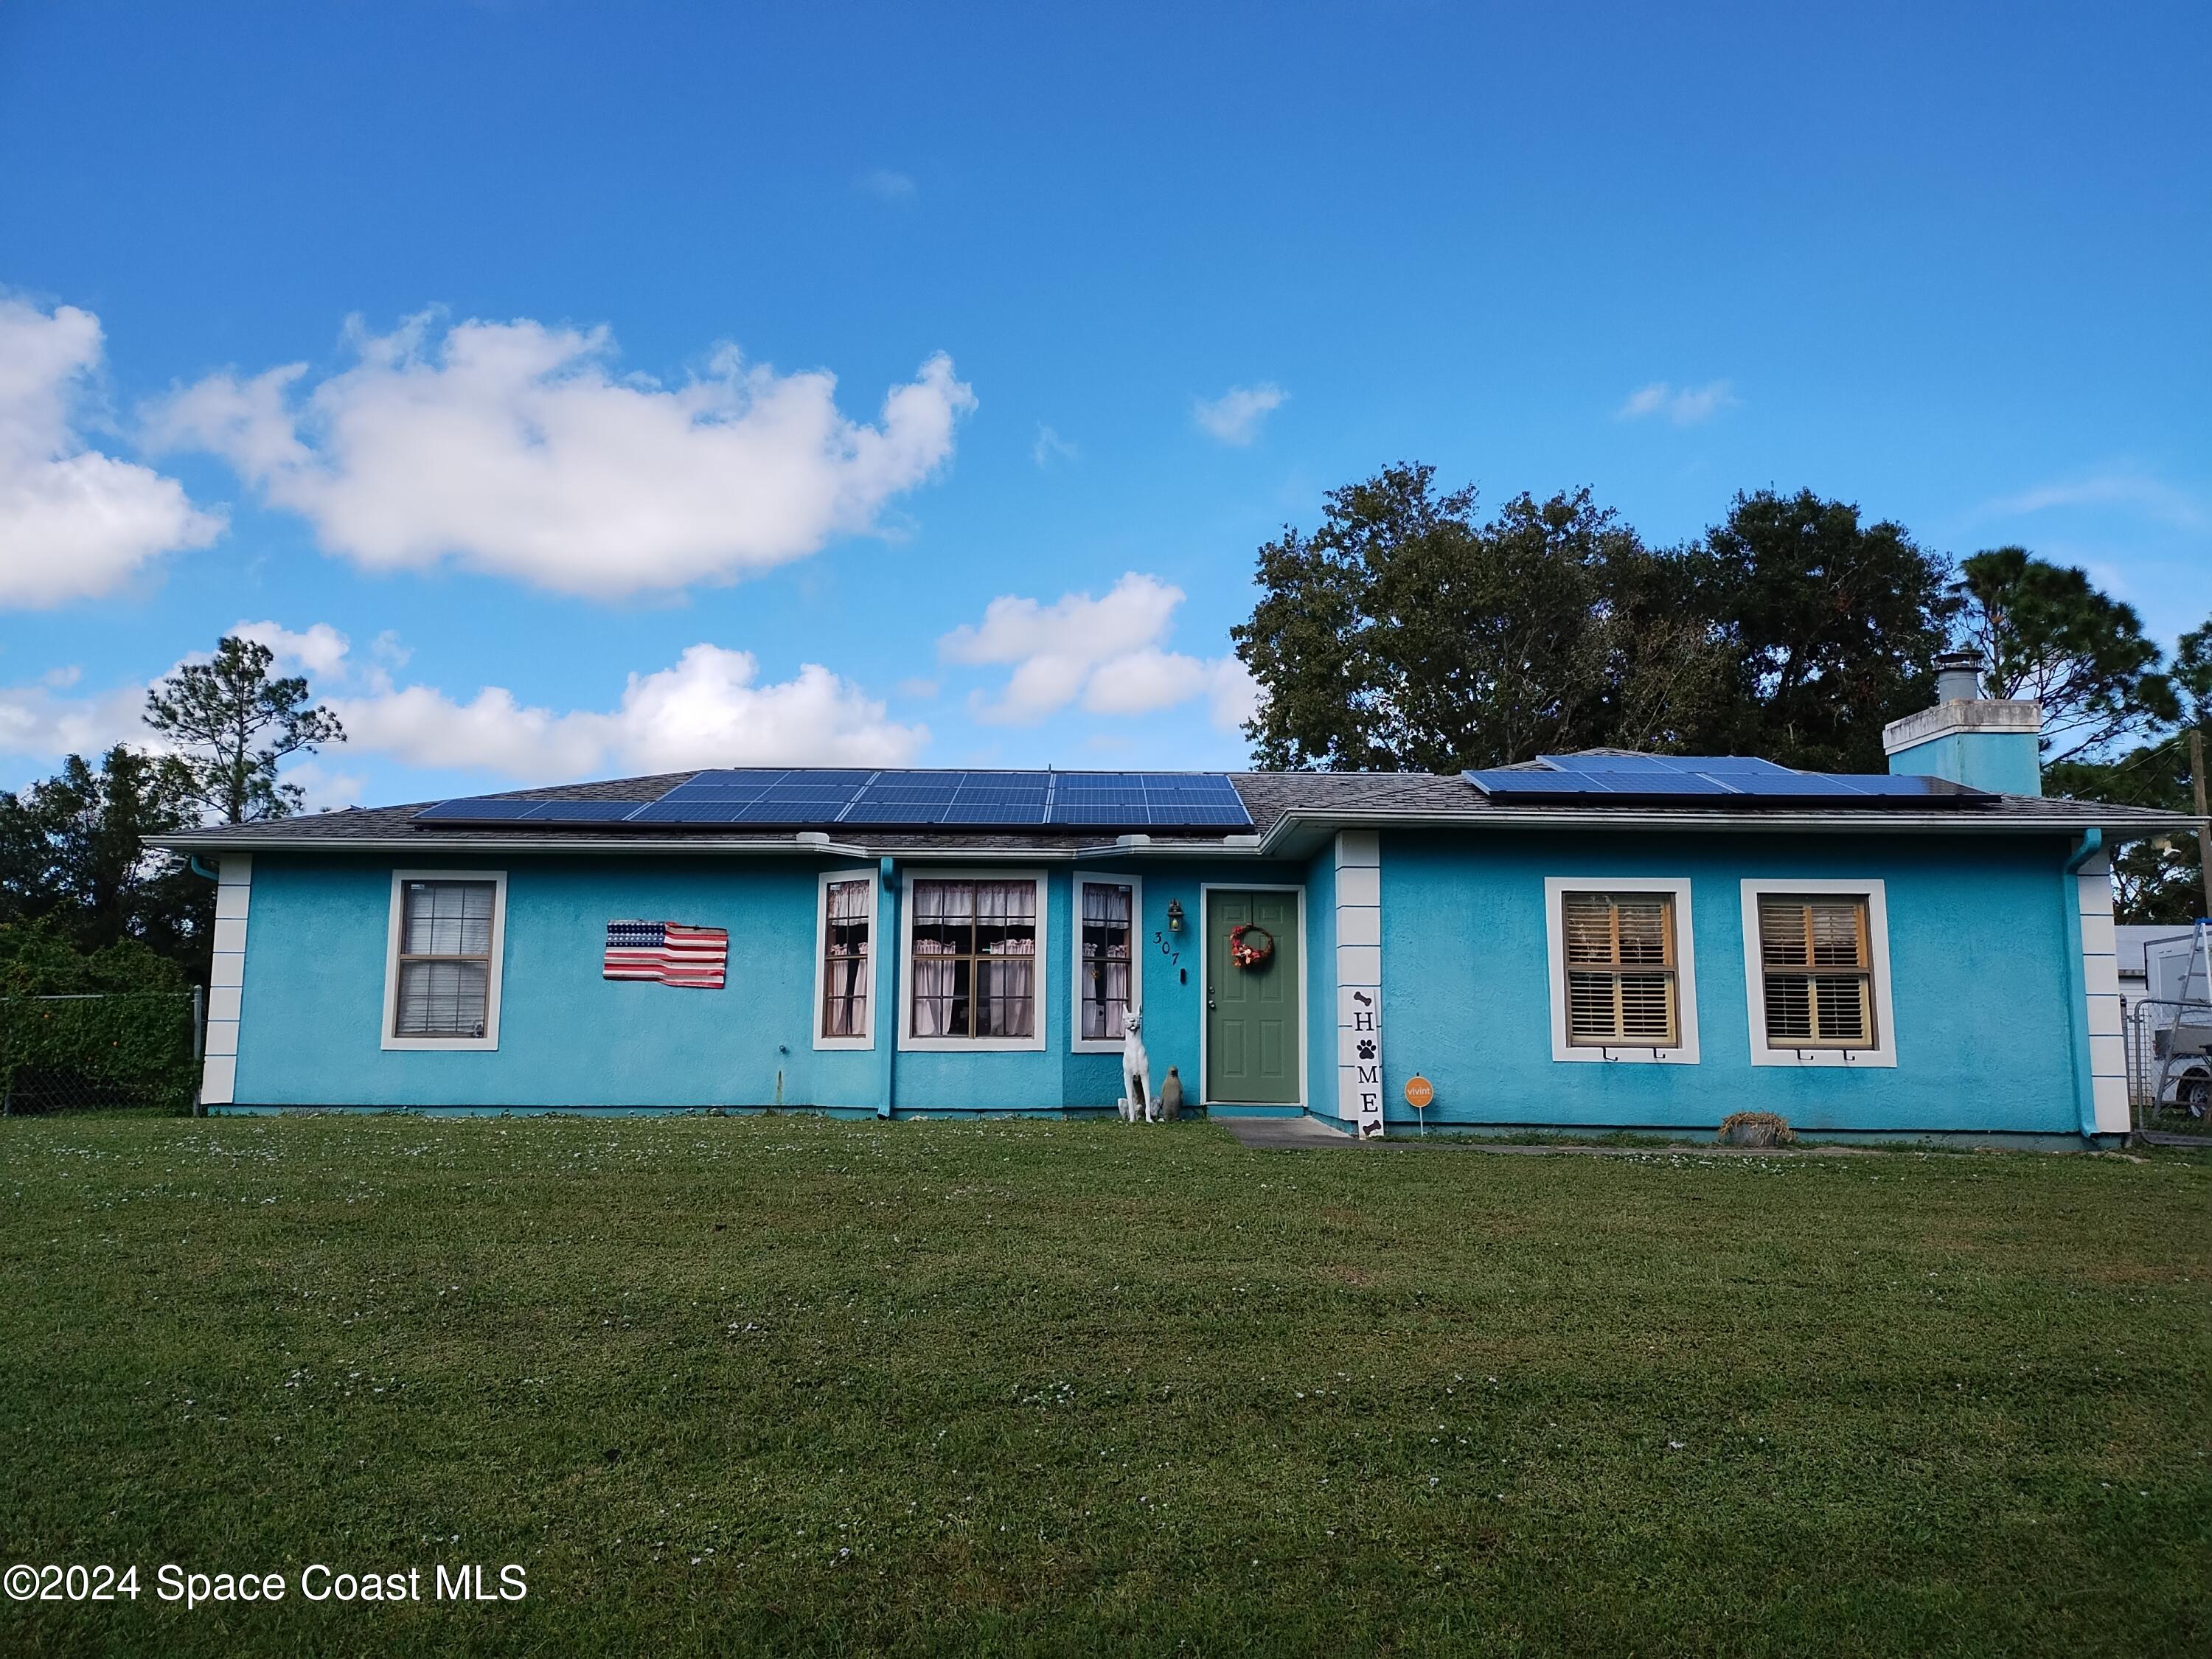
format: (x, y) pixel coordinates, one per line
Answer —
(1409, 632)
(2160, 879)
(230, 722)
(1833, 625)
(74, 857)
(2046, 631)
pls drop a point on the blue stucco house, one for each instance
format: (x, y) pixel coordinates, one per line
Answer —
(1599, 940)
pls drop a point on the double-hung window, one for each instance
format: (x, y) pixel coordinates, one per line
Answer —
(974, 952)
(1105, 961)
(1620, 969)
(1622, 983)
(844, 962)
(1816, 963)
(442, 965)
(1818, 971)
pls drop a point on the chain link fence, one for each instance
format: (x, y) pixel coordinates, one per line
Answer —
(125, 1050)
(2170, 1069)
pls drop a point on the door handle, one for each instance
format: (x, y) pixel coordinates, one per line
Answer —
(1209, 999)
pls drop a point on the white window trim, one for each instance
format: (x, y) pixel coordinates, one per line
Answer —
(389, 1016)
(1884, 1053)
(1685, 1053)
(909, 1043)
(1077, 1043)
(829, 878)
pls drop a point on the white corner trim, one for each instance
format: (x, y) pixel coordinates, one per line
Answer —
(1684, 1053)
(387, 1014)
(1358, 856)
(909, 1043)
(1884, 1053)
(868, 873)
(233, 899)
(2100, 981)
(1077, 1042)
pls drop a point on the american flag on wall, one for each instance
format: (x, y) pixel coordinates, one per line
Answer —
(668, 952)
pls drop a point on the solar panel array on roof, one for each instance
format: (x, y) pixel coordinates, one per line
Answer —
(483, 809)
(1732, 781)
(766, 798)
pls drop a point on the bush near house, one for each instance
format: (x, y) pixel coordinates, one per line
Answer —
(111, 1028)
(783, 1385)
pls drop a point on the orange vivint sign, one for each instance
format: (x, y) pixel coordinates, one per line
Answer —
(1419, 1091)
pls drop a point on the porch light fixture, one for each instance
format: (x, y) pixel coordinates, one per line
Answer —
(1174, 915)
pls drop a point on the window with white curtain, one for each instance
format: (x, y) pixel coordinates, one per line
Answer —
(442, 969)
(974, 960)
(847, 920)
(1104, 959)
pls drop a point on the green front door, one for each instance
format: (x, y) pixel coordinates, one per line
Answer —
(1252, 1013)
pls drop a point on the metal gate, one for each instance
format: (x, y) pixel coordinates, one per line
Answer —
(2169, 1050)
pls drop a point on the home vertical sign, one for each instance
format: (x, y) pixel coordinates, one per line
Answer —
(1359, 979)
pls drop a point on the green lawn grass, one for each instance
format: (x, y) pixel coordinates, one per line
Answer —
(780, 1384)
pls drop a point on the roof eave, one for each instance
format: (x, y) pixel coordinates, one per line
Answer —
(426, 841)
(1295, 820)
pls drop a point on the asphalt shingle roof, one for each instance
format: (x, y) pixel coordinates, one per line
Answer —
(1269, 796)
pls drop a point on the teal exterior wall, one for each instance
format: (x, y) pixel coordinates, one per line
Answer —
(1988, 1025)
(1978, 954)
(2005, 763)
(311, 1028)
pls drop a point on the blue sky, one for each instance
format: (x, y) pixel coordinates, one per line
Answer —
(561, 284)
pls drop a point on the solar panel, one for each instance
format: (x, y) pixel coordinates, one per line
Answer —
(478, 809)
(1724, 781)
(584, 811)
(825, 799)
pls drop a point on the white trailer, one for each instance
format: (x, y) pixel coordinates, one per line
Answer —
(2178, 1015)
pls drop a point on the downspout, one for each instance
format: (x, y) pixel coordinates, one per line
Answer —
(200, 870)
(2077, 984)
(886, 1023)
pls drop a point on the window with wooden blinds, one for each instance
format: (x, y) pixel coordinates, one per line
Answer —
(1620, 969)
(1817, 963)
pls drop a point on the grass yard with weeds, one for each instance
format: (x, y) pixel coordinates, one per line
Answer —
(787, 1385)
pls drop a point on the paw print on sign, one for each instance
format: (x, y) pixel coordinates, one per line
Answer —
(1367, 1048)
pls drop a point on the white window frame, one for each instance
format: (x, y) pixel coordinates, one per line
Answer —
(388, 1016)
(1683, 1052)
(832, 878)
(1077, 1043)
(1884, 1052)
(909, 1043)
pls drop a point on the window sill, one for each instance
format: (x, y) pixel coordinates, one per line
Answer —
(1625, 1056)
(415, 1045)
(1861, 1059)
(913, 1045)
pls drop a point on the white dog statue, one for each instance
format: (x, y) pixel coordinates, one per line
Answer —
(1138, 1104)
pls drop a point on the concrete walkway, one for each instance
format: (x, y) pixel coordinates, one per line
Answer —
(1302, 1133)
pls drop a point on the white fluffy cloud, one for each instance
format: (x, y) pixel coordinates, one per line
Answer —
(321, 650)
(1234, 416)
(515, 448)
(1683, 405)
(1107, 652)
(708, 709)
(73, 523)
(45, 721)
